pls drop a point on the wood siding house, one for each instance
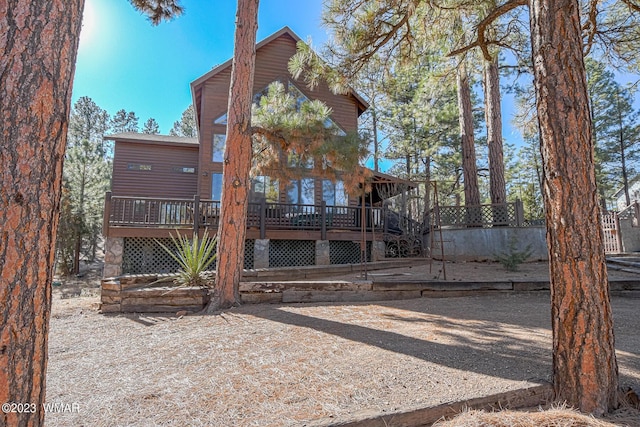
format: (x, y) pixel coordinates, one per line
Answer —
(162, 184)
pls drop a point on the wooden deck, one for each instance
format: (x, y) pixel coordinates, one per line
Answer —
(160, 217)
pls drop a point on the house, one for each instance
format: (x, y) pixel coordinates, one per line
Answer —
(162, 184)
(634, 194)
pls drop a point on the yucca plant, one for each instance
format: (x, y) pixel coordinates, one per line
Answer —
(194, 257)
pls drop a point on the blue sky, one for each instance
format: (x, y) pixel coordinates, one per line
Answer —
(125, 62)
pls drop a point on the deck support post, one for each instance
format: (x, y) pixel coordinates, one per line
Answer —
(113, 256)
(323, 252)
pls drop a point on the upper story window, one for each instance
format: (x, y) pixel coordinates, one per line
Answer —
(216, 186)
(222, 120)
(184, 169)
(138, 167)
(217, 148)
(296, 93)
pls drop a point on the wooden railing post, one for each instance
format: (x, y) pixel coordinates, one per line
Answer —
(323, 220)
(107, 214)
(196, 214)
(263, 219)
(519, 207)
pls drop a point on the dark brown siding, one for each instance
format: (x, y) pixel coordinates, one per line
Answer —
(271, 64)
(162, 180)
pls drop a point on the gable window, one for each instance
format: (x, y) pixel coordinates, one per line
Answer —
(217, 149)
(222, 120)
(216, 186)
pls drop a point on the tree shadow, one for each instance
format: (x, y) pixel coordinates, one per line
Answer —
(501, 355)
(506, 336)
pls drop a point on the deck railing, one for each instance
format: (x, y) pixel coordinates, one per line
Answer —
(143, 212)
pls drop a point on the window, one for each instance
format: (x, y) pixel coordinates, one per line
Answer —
(138, 167)
(333, 193)
(222, 120)
(264, 188)
(301, 192)
(184, 169)
(258, 96)
(216, 186)
(218, 147)
(301, 98)
(293, 160)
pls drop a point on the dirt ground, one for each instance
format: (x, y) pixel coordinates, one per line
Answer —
(283, 365)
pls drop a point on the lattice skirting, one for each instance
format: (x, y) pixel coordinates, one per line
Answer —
(345, 252)
(143, 255)
(292, 253)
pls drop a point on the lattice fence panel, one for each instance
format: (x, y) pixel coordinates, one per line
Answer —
(292, 253)
(143, 255)
(345, 252)
(249, 246)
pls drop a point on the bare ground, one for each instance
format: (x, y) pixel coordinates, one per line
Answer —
(273, 365)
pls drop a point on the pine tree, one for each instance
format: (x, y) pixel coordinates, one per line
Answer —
(615, 128)
(36, 94)
(289, 135)
(237, 165)
(124, 121)
(151, 127)
(187, 124)
(86, 177)
(39, 44)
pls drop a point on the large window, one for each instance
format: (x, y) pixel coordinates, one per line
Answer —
(333, 193)
(301, 192)
(216, 186)
(264, 188)
(218, 147)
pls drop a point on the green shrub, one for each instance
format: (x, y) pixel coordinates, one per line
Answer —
(512, 258)
(194, 257)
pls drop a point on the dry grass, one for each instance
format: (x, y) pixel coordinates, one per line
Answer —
(271, 365)
(555, 417)
(285, 365)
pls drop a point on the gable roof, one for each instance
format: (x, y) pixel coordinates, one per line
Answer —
(196, 85)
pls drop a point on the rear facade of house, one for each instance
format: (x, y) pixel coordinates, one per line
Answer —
(163, 185)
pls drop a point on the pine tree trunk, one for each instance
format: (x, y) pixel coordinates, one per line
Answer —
(237, 161)
(469, 168)
(39, 44)
(494, 131)
(585, 372)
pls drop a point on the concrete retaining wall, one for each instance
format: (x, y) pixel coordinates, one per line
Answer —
(484, 244)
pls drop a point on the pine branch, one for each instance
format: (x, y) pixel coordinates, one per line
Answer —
(481, 41)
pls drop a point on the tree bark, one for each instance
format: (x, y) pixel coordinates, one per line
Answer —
(39, 44)
(237, 161)
(492, 102)
(469, 168)
(585, 372)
